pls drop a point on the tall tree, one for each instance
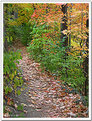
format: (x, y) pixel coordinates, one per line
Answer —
(64, 25)
(86, 60)
(70, 26)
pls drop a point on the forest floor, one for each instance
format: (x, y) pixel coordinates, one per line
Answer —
(44, 96)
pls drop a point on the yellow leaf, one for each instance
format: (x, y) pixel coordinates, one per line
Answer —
(11, 76)
(15, 72)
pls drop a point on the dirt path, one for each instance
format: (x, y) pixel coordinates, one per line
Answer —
(43, 96)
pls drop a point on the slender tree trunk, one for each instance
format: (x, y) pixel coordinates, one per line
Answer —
(47, 9)
(64, 38)
(34, 6)
(64, 25)
(70, 29)
(81, 29)
(86, 61)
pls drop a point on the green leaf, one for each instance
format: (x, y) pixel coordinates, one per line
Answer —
(20, 107)
(18, 92)
(8, 89)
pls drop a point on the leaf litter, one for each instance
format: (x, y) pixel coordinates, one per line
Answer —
(46, 94)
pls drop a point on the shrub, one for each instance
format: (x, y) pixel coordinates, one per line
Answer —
(21, 32)
(52, 55)
(12, 78)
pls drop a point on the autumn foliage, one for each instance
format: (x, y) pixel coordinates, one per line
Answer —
(56, 35)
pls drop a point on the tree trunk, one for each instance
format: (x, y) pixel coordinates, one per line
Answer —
(81, 41)
(70, 28)
(64, 38)
(64, 26)
(86, 61)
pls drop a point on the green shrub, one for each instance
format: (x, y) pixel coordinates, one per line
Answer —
(24, 33)
(12, 78)
(52, 55)
(72, 73)
(21, 33)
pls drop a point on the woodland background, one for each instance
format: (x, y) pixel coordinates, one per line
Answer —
(55, 35)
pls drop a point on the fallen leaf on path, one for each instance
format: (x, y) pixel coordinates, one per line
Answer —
(6, 115)
(23, 104)
(33, 102)
(15, 105)
(31, 105)
(72, 114)
(25, 111)
(7, 109)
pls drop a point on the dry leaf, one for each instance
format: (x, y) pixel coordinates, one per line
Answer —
(6, 115)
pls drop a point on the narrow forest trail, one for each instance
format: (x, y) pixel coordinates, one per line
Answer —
(43, 96)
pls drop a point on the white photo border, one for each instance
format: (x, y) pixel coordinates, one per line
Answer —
(1, 54)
